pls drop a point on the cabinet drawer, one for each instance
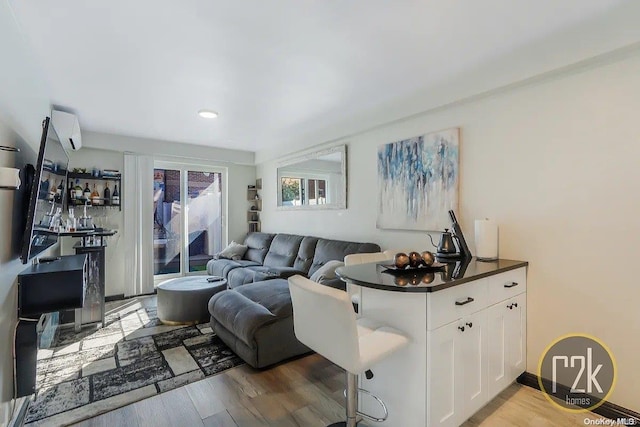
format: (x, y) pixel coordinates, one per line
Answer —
(507, 285)
(450, 304)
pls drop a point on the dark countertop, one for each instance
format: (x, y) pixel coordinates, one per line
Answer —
(64, 263)
(373, 275)
(89, 232)
(78, 233)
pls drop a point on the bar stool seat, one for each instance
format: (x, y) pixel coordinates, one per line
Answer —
(324, 321)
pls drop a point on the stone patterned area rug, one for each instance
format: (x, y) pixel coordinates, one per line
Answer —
(131, 358)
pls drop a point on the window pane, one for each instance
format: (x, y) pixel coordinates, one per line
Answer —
(312, 192)
(291, 191)
(166, 221)
(205, 217)
(322, 192)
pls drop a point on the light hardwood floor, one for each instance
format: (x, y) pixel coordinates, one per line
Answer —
(306, 392)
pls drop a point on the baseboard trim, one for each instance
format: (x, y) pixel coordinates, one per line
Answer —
(607, 409)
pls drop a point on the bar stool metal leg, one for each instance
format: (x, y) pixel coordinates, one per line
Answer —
(351, 404)
(352, 399)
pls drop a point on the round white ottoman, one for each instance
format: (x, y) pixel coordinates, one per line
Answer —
(184, 300)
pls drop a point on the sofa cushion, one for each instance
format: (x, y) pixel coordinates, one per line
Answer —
(242, 276)
(283, 250)
(222, 267)
(278, 272)
(326, 272)
(305, 253)
(258, 246)
(246, 309)
(328, 250)
(234, 251)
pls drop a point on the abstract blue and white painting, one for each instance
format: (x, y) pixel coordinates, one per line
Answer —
(418, 181)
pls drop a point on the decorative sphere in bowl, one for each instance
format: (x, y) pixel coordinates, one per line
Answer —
(414, 259)
(428, 258)
(401, 260)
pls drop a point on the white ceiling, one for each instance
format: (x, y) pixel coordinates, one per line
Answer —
(277, 71)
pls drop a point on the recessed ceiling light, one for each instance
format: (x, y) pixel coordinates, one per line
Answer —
(207, 114)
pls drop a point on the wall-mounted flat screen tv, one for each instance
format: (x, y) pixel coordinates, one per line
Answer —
(47, 194)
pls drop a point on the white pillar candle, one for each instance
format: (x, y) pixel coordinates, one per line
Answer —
(486, 233)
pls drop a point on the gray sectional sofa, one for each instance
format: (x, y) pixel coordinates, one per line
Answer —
(254, 317)
(272, 256)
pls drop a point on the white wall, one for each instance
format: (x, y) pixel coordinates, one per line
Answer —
(24, 103)
(132, 144)
(556, 164)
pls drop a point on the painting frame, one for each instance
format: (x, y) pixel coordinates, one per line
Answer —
(418, 181)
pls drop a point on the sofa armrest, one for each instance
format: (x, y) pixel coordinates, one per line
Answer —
(239, 314)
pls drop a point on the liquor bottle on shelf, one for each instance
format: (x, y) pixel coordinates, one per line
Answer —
(71, 194)
(53, 191)
(50, 188)
(46, 184)
(86, 194)
(43, 192)
(115, 198)
(107, 194)
(59, 192)
(72, 221)
(95, 196)
(78, 191)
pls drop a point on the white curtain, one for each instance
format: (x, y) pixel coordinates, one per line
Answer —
(138, 224)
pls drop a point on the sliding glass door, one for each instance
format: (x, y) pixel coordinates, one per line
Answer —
(204, 217)
(188, 221)
(167, 227)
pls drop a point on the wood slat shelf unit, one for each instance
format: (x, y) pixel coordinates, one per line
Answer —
(254, 201)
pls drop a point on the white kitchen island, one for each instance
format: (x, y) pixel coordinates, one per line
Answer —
(467, 330)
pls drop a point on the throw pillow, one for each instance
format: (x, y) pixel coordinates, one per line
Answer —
(234, 251)
(326, 272)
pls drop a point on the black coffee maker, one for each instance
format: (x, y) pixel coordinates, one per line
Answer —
(452, 244)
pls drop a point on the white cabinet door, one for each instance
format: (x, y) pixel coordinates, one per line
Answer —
(517, 336)
(444, 379)
(457, 373)
(474, 362)
(497, 352)
(507, 341)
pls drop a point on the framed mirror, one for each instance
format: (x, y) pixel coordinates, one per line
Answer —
(316, 180)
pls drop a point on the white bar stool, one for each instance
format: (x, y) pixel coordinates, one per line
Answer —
(324, 320)
(363, 258)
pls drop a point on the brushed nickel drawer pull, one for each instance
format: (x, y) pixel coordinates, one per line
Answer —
(511, 285)
(467, 301)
